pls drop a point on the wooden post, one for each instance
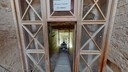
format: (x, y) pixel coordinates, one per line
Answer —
(78, 36)
(17, 32)
(19, 22)
(45, 34)
(109, 33)
(105, 34)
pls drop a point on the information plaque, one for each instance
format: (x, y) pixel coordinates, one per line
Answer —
(62, 5)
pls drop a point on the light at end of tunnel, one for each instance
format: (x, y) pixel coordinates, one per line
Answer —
(66, 37)
(70, 45)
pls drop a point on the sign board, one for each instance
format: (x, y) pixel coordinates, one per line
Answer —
(62, 5)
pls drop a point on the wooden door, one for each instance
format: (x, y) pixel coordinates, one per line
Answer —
(92, 34)
(33, 36)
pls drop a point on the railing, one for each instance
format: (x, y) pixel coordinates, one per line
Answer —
(4, 68)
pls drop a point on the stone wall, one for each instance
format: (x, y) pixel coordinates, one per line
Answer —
(9, 51)
(119, 40)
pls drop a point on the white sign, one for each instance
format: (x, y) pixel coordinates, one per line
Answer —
(62, 5)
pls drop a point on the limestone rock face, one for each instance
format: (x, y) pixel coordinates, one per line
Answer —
(119, 40)
(9, 50)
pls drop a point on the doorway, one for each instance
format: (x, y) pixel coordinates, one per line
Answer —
(61, 45)
(41, 30)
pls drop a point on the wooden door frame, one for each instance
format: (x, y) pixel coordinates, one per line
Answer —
(75, 29)
(107, 35)
(15, 4)
(19, 32)
(61, 18)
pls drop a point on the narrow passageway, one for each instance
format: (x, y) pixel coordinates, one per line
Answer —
(61, 46)
(63, 63)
